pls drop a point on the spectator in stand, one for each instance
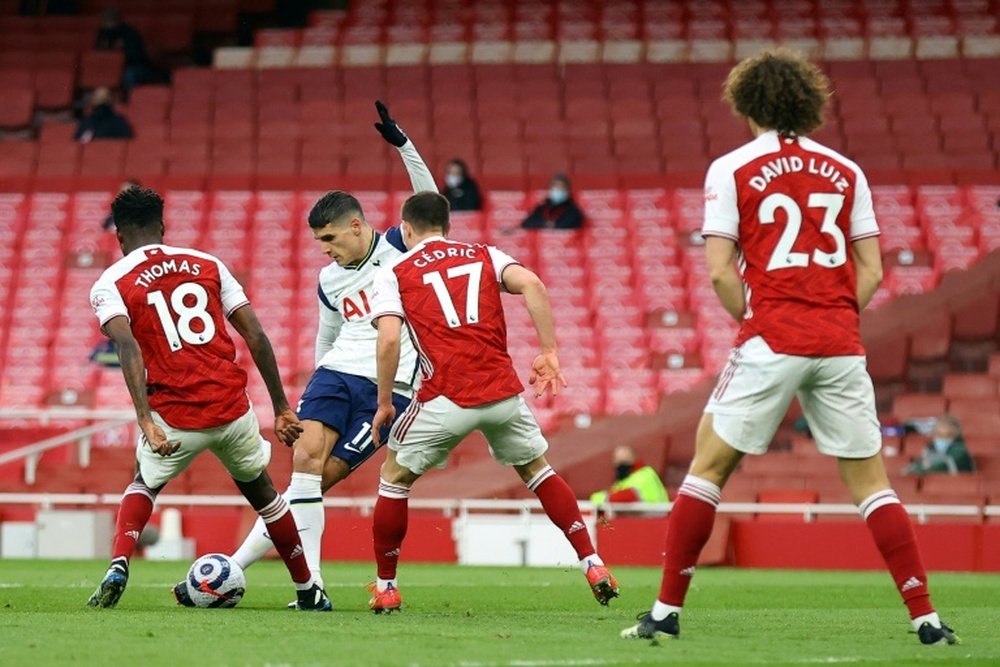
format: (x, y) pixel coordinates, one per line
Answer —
(558, 211)
(102, 121)
(635, 482)
(109, 222)
(116, 35)
(945, 452)
(462, 192)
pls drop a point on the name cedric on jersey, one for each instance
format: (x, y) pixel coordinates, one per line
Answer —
(426, 258)
(163, 268)
(792, 164)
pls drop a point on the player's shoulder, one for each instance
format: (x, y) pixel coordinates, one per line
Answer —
(730, 162)
(813, 146)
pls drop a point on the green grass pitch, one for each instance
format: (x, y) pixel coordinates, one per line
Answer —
(484, 617)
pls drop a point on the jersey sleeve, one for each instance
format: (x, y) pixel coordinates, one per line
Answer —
(501, 261)
(420, 176)
(233, 295)
(330, 321)
(863, 223)
(386, 299)
(394, 235)
(722, 215)
(107, 301)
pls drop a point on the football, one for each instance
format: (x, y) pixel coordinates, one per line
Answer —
(216, 581)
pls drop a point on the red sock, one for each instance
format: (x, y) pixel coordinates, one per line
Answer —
(391, 513)
(892, 529)
(133, 513)
(285, 535)
(688, 529)
(560, 504)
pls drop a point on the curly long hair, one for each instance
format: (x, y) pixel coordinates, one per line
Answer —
(778, 89)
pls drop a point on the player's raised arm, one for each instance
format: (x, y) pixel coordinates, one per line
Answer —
(119, 331)
(286, 424)
(420, 176)
(545, 372)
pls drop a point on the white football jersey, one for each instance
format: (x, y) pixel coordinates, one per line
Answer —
(346, 338)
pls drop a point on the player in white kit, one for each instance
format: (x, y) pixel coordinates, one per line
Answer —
(338, 404)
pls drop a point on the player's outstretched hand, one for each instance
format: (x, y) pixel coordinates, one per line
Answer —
(287, 427)
(388, 128)
(545, 374)
(157, 439)
(384, 416)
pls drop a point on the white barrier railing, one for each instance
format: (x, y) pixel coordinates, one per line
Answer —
(33, 452)
(458, 507)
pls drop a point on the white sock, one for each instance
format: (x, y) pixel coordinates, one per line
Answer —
(661, 610)
(382, 584)
(255, 546)
(305, 497)
(309, 584)
(931, 618)
(593, 559)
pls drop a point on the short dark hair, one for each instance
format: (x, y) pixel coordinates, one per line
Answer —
(427, 211)
(460, 163)
(333, 207)
(137, 208)
(779, 89)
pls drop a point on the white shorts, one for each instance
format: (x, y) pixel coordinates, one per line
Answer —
(757, 385)
(425, 434)
(238, 444)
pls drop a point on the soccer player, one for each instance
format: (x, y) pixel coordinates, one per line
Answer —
(796, 218)
(338, 404)
(448, 295)
(166, 308)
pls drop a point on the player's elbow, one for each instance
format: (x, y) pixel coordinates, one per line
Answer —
(720, 275)
(873, 275)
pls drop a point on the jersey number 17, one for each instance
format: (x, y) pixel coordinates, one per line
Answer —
(474, 272)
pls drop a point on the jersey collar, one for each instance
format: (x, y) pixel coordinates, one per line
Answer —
(436, 237)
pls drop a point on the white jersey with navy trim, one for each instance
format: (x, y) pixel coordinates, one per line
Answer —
(345, 341)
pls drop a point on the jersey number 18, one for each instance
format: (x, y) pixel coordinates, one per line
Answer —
(181, 331)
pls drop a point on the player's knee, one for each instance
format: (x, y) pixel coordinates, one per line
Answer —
(393, 473)
(308, 458)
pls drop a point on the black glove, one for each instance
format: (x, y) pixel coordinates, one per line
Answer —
(388, 128)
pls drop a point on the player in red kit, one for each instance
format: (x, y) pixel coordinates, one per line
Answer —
(793, 254)
(166, 308)
(448, 295)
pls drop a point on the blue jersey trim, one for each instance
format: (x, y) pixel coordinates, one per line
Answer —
(322, 297)
(394, 235)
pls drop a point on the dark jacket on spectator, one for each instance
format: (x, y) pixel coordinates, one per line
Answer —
(103, 122)
(555, 216)
(124, 37)
(465, 196)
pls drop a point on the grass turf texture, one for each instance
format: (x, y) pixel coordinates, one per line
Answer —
(479, 617)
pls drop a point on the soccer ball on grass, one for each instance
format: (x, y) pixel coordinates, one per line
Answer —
(214, 580)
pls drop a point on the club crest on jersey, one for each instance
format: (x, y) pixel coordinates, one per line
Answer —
(356, 309)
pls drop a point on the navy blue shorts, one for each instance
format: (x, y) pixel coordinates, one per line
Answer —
(346, 403)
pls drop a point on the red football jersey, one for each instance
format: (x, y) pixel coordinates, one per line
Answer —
(449, 295)
(794, 206)
(177, 301)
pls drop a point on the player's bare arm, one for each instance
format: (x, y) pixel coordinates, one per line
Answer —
(390, 329)
(545, 372)
(868, 267)
(286, 424)
(726, 281)
(134, 370)
(420, 176)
